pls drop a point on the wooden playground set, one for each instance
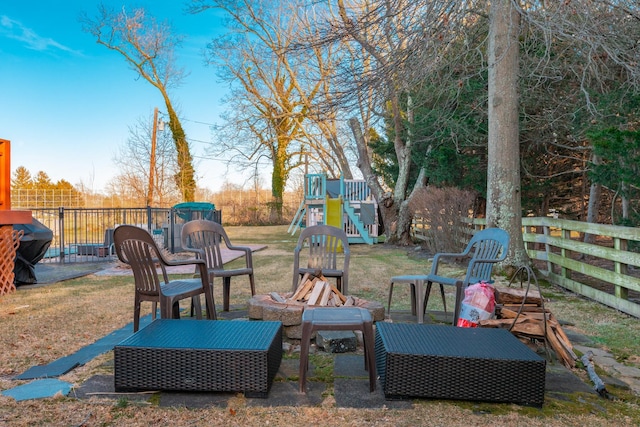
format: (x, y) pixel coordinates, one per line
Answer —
(346, 204)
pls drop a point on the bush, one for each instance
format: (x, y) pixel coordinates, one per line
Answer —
(439, 215)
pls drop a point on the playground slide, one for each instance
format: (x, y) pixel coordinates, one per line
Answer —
(334, 212)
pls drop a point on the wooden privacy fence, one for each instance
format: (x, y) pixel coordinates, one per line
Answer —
(606, 270)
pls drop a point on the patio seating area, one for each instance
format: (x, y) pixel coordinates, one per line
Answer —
(195, 363)
(348, 382)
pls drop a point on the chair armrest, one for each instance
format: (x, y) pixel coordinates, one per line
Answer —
(199, 252)
(247, 253)
(194, 261)
(440, 256)
(480, 260)
(239, 248)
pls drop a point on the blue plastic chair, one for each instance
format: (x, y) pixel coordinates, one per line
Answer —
(486, 248)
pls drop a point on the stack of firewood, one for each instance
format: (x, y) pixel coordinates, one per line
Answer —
(317, 290)
(524, 315)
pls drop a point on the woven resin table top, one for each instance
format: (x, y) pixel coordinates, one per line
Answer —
(450, 341)
(336, 315)
(204, 334)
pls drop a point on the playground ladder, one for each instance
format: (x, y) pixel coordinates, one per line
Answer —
(351, 213)
(297, 218)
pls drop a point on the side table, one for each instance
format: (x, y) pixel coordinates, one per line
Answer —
(337, 319)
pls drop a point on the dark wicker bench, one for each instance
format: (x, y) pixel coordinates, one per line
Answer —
(445, 362)
(200, 355)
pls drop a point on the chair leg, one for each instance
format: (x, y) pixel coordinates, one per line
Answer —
(427, 292)
(444, 301)
(389, 302)
(413, 298)
(210, 304)
(305, 342)
(253, 284)
(169, 309)
(369, 353)
(195, 305)
(166, 308)
(226, 290)
(154, 310)
(136, 315)
(456, 310)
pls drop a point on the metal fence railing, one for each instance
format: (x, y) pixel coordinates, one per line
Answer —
(86, 234)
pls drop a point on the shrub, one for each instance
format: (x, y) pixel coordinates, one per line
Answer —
(440, 214)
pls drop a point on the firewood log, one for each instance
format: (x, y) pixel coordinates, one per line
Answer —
(316, 292)
(507, 295)
(326, 293)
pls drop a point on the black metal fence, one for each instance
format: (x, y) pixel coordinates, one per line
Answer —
(86, 234)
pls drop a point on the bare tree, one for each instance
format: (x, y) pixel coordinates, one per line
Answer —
(274, 86)
(149, 48)
(391, 45)
(134, 163)
(601, 59)
(390, 71)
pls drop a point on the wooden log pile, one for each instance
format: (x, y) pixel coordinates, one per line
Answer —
(316, 290)
(533, 322)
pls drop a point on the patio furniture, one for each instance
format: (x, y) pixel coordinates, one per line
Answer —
(205, 239)
(322, 245)
(444, 362)
(190, 355)
(106, 249)
(136, 247)
(486, 248)
(337, 319)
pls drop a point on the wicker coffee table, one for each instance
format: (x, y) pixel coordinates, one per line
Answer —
(200, 355)
(445, 362)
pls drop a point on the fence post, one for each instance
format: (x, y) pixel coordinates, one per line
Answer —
(61, 228)
(620, 268)
(172, 223)
(565, 253)
(547, 248)
(149, 225)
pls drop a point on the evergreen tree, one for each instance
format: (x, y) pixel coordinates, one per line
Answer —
(22, 179)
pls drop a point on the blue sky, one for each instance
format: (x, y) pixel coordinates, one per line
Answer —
(67, 102)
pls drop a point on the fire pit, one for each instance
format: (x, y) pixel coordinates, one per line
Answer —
(312, 292)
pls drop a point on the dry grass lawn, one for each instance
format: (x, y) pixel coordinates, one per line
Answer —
(41, 325)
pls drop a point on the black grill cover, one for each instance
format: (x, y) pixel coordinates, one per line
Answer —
(33, 246)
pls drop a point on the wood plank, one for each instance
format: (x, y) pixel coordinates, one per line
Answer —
(303, 280)
(326, 293)
(316, 292)
(559, 349)
(556, 326)
(338, 293)
(506, 313)
(302, 291)
(508, 295)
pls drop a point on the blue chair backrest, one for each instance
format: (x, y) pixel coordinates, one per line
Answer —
(487, 247)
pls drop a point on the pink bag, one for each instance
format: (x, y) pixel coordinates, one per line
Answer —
(478, 304)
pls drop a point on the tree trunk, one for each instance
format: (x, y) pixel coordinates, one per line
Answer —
(278, 183)
(504, 208)
(625, 204)
(595, 191)
(185, 178)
